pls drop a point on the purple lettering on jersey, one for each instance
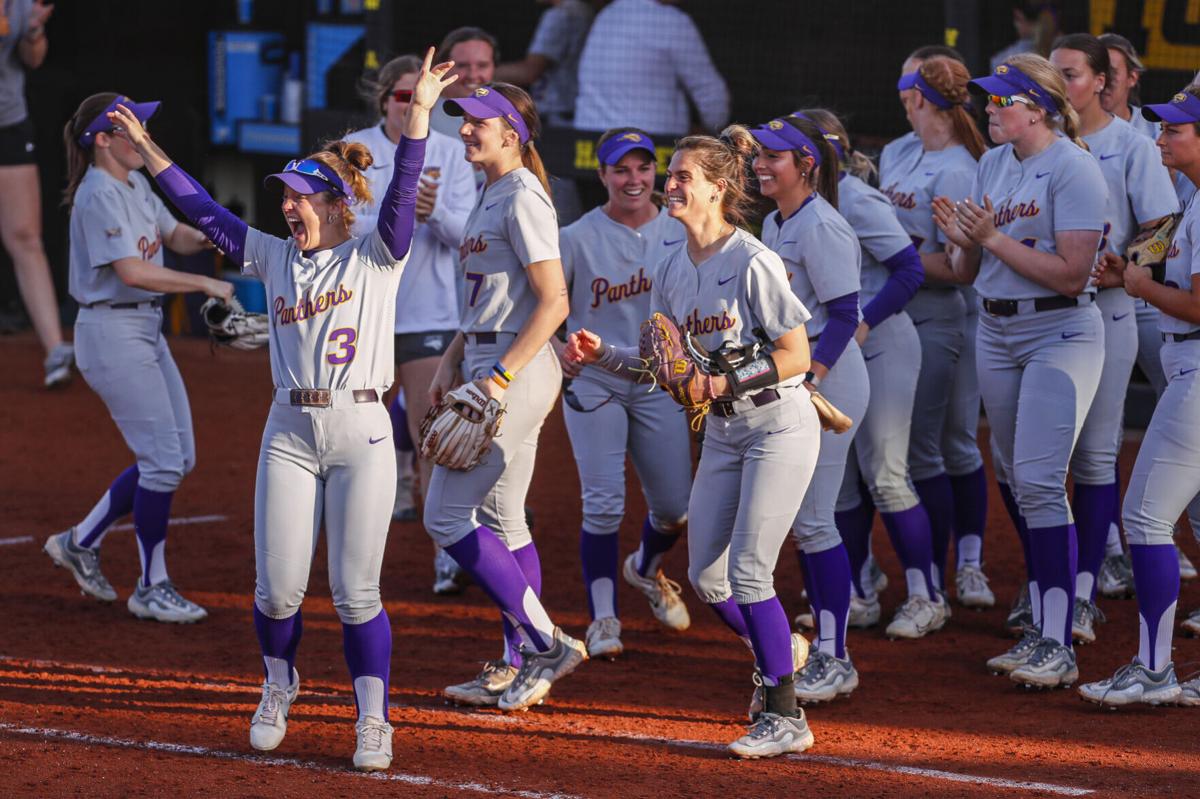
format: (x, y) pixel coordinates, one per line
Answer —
(477, 279)
(901, 199)
(698, 325)
(344, 338)
(601, 289)
(1008, 213)
(1173, 252)
(148, 248)
(306, 308)
(471, 244)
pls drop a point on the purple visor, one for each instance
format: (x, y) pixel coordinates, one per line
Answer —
(485, 103)
(617, 147)
(1182, 108)
(1007, 80)
(101, 124)
(833, 140)
(780, 135)
(914, 80)
(308, 176)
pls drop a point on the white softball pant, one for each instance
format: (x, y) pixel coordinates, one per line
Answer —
(939, 316)
(960, 435)
(1095, 458)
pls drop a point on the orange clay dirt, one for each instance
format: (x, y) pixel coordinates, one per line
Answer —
(95, 703)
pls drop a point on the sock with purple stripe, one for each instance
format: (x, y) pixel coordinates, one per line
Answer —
(970, 516)
(912, 540)
(116, 502)
(1093, 509)
(1156, 575)
(728, 611)
(400, 437)
(278, 639)
(829, 591)
(806, 573)
(1055, 551)
(531, 566)
(655, 544)
(151, 512)
(855, 527)
(937, 497)
(770, 637)
(368, 650)
(497, 571)
(598, 554)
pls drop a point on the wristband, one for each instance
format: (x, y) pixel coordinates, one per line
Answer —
(759, 373)
(812, 379)
(499, 381)
(499, 372)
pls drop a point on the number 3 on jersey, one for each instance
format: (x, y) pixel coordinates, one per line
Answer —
(344, 338)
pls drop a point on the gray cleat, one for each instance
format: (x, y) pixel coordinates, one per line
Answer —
(825, 677)
(1049, 665)
(1115, 578)
(772, 735)
(487, 686)
(1016, 656)
(1083, 621)
(1133, 683)
(83, 563)
(163, 602)
(540, 670)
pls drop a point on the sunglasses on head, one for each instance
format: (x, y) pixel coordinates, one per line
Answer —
(306, 166)
(1005, 102)
(402, 95)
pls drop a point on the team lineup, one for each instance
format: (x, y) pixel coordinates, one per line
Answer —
(830, 364)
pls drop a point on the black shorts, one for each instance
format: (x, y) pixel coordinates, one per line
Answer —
(427, 344)
(16, 144)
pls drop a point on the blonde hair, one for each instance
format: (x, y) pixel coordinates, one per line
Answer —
(727, 157)
(852, 161)
(349, 160)
(1042, 72)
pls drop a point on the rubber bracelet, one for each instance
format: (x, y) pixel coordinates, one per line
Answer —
(499, 369)
(499, 381)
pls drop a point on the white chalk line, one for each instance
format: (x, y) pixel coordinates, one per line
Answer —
(176, 521)
(21, 539)
(71, 736)
(536, 722)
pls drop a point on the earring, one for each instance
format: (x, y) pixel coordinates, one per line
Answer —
(712, 199)
(803, 175)
(329, 219)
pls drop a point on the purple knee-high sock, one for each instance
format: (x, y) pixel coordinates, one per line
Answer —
(598, 554)
(728, 611)
(771, 638)
(855, 527)
(368, 650)
(1156, 576)
(400, 437)
(116, 502)
(151, 511)
(484, 556)
(1093, 509)
(829, 590)
(937, 497)
(970, 515)
(806, 573)
(278, 639)
(1014, 513)
(531, 566)
(655, 544)
(1056, 553)
(913, 542)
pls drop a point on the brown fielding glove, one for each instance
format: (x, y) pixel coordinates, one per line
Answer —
(1150, 247)
(231, 326)
(831, 418)
(457, 432)
(670, 367)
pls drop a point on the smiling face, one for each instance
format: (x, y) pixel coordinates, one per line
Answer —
(475, 65)
(307, 215)
(393, 109)
(690, 195)
(1083, 85)
(630, 182)
(1180, 147)
(487, 139)
(778, 173)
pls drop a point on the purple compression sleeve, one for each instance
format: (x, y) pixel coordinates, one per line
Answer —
(223, 229)
(397, 209)
(843, 321)
(906, 277)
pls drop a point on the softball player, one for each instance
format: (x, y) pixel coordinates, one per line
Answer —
(821, 256)
(1166, 475)
(515, 298)
(944, 458)
(760, 447)
(891, 274)
(1030, 230)
(1139, 193)
(118, 230)
(610, 257)
(332, 299)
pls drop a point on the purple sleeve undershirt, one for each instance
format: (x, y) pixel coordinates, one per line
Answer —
(906, 277)
(843, 321)
(223, 229)
(398, 208)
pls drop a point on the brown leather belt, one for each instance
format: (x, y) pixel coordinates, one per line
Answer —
(764, 397)
(321, 397)
(481, 338)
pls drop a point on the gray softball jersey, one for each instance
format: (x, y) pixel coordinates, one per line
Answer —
(898, 155)
(611, 269)
(112, 220)
(912, 186)
(879, 233)
(1183, 261)
(512, 226)
(1060, 188)
(820, 253)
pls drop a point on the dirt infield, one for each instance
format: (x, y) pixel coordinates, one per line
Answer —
(96, 703)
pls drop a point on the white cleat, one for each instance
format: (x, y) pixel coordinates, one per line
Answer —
(269, 724)
(972, 588)
(604, 638)
(1083, 621)
(485, 689)
(163, 602)
(664, 595)
(772, 735)
(1132, 684)
(374, 744)
(917, 617)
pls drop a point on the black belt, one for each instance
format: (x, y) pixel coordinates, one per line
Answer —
(1011, 307)
(125, 306)
(321, 397)
(1178, 337)
(764, 397)
(482, 338)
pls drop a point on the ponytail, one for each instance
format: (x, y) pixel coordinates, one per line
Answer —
(80, 158)
(726, 158)
(950, 78)
(1051, 80)
(824, 178)
(530, 158)
(350, 161)
(533, 162)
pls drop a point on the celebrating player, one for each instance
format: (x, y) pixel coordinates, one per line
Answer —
(1166, 475)
(118, 230)
(731, 293)
(1030, 230)
(332, 294)
(610, 259)
(515, 298)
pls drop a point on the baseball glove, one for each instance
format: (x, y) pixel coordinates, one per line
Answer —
(831, 418)
(670, 367)
(230, 325)
(457, 432)
(1150, 247)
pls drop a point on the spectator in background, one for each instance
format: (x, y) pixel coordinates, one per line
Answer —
(642, 61)
(551, 65)
(23, 45)
(474, 52)
(1037, 28)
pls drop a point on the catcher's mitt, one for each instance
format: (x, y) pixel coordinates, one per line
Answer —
(230, 325)
(1150, 247)
(672, 368)
(457, 432)
(831, 418)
